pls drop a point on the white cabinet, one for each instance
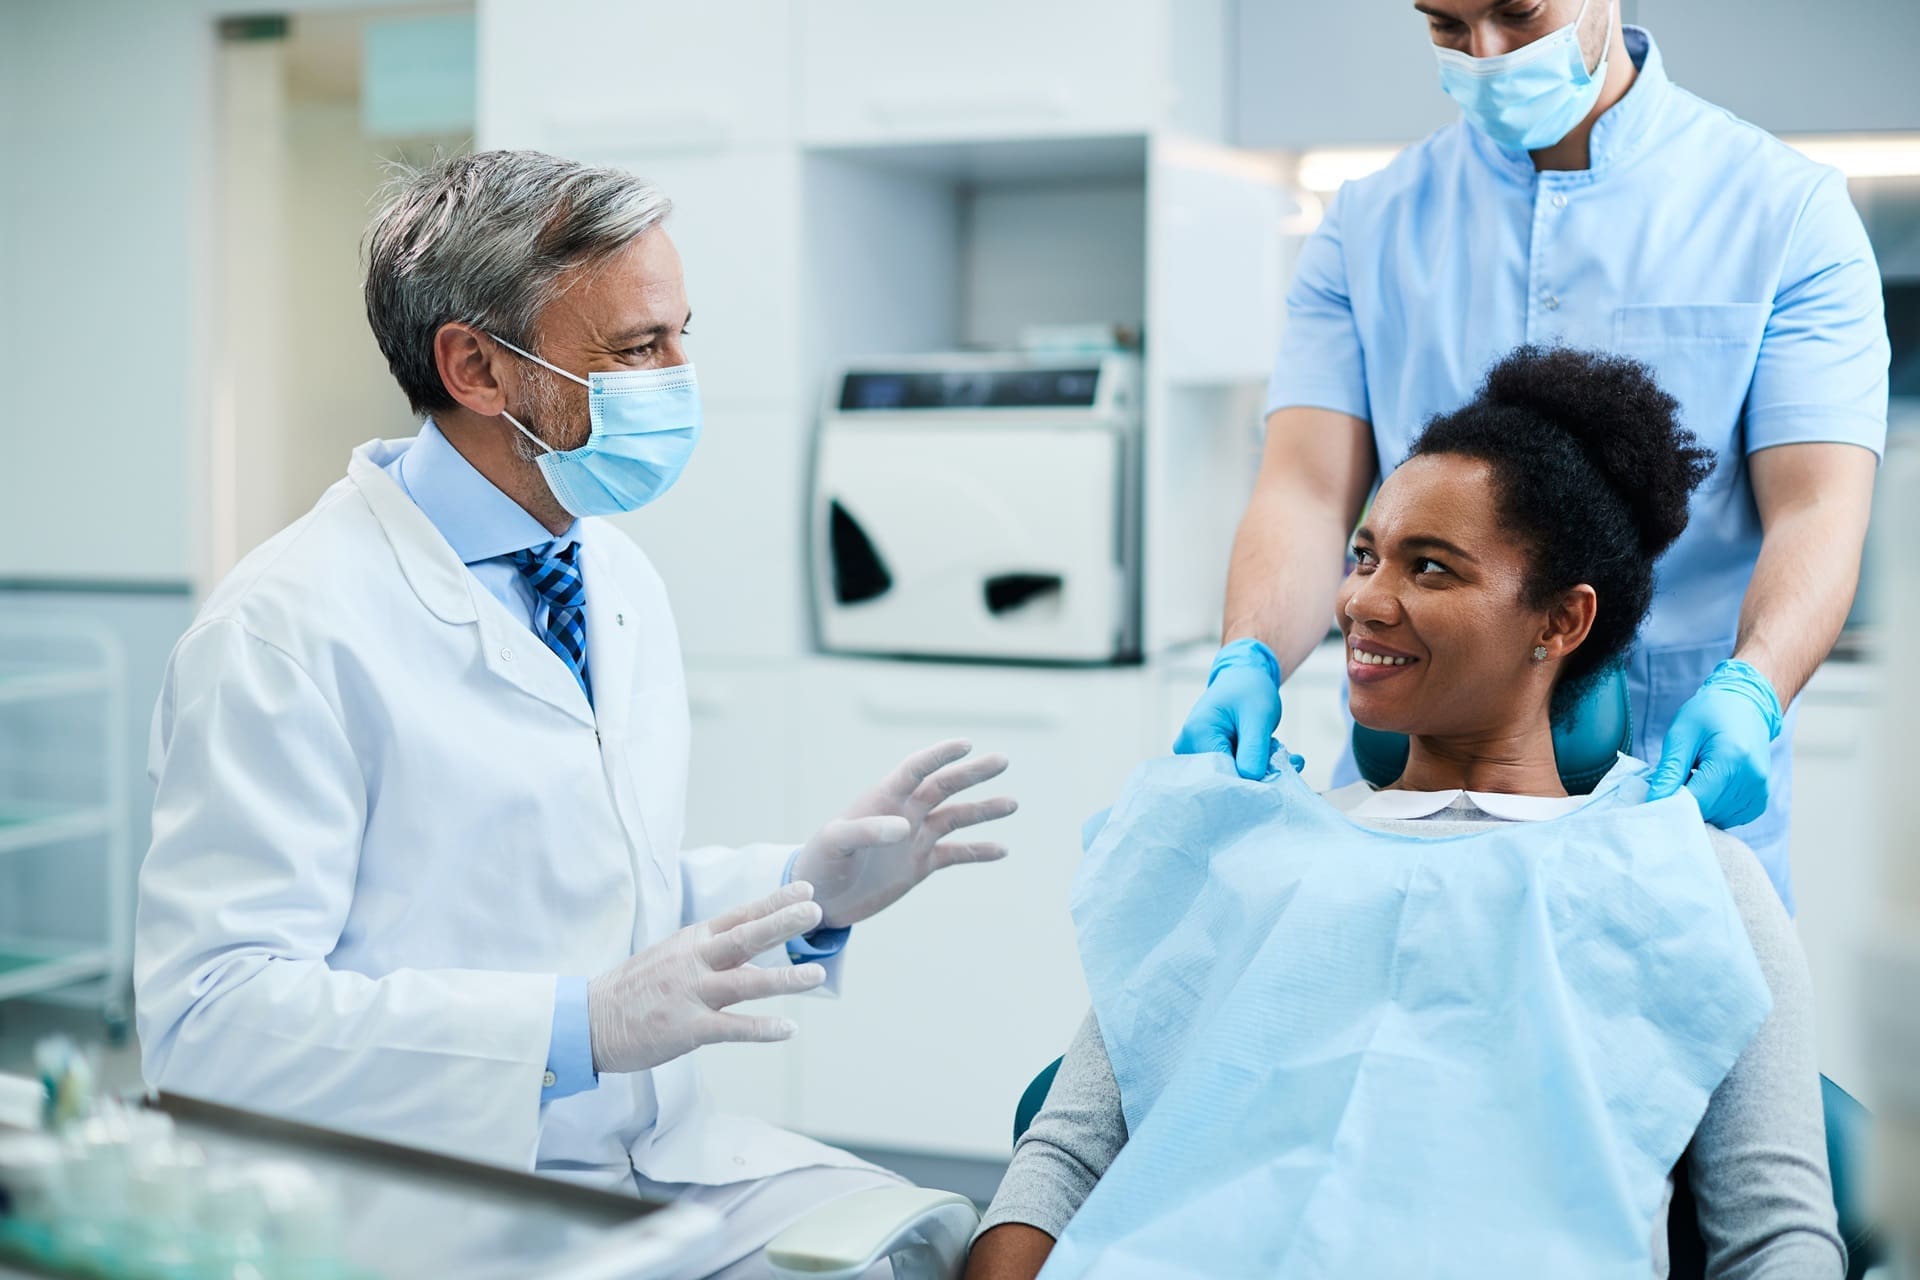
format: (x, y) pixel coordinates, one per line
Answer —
(570, 75)
(736, 796)
(1845, 68)
(1834, 850)
(736, 223)
(955, 997)
(880, 70)
(730, 539)
(1322, 75)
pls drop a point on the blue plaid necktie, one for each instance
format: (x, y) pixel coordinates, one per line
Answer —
(556, 580)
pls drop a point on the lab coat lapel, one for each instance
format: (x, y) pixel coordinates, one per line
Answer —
(508, 647)
(613, 638)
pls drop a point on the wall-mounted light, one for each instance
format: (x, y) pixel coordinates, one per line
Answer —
(1864, 155)
(1323, 169)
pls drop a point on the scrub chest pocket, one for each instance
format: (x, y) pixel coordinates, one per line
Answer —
(1703, 356)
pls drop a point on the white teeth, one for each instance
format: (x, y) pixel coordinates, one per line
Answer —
(1377, 659)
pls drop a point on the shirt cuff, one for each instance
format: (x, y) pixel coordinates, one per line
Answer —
(821, 943)
(570, 1051)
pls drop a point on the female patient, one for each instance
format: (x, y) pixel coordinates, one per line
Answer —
(1500, 571)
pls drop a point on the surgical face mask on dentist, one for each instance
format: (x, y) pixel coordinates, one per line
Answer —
(645, 423)
(1532, 97)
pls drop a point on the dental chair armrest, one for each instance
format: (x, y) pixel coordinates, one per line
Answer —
(925, 1232)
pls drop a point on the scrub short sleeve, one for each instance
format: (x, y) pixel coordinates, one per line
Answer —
(1822, 372)
(1321, 364)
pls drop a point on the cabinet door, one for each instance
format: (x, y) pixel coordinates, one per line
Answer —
(730, 539)
(565, 74)
(875, 70)
(1841, 68)
(1834, 851)
(955, 996)
(1324, 75)
(736, 223)
(737, 711)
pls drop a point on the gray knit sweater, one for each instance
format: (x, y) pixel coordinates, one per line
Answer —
(1758, 1162)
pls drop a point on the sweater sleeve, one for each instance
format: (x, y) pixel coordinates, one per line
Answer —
(1069, 1145)
(1758, 1163)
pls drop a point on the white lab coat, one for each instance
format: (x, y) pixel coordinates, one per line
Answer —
(387, 819)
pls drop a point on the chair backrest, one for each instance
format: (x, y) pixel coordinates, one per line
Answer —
(1847, 1124)
(1585, 746)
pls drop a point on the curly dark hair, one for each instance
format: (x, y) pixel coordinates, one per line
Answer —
(1592, 471)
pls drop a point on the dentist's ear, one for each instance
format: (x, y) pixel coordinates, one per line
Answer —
(469, 365)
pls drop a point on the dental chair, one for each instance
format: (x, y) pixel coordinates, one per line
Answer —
(926, 1232)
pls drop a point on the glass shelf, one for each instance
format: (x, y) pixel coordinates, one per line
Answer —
(31, 826)
(29, 966)
(29, 681)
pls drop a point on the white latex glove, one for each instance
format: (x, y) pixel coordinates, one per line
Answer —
(892, 838)
(666, 1001)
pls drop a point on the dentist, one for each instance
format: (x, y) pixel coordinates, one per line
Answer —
(1586, 200)
(417, 865)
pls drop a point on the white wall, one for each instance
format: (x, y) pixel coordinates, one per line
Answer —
(10, 24)
(107, 178)
(106, 246)
(339, 392)
(1053, 253)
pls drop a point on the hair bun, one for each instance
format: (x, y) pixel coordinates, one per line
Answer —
(1622, 421)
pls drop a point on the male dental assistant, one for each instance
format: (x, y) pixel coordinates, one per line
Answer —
(1585, 199)
(422, 759)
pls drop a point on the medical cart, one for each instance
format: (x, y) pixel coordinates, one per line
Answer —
(63, 752)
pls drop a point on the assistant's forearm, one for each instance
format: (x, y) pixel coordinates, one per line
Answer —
(1803, 585)
(1286, 568)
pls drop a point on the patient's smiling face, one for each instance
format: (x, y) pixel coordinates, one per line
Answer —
(1440, 638)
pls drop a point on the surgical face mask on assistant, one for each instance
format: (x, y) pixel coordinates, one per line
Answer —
(645, 424)
(1529, 98)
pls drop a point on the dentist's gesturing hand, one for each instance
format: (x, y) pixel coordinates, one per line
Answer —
(667, 1000)
(895, 836)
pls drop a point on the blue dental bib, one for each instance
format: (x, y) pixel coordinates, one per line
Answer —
(1349, 1053)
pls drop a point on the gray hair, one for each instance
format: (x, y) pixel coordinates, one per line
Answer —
(485, 240)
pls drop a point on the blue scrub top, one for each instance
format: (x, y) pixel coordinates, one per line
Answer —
(1727, 262)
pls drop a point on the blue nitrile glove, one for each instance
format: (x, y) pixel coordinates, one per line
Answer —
(1720, 746)
(1239, 711)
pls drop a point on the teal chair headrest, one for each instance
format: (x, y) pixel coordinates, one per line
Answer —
(1585, 746)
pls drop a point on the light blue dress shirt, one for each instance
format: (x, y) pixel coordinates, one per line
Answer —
(1731, 265)
(485, 527)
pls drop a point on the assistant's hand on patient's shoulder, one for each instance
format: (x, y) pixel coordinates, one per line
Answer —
(1720, 746)
(896, 835)
(667, 1000)
(1239, 711)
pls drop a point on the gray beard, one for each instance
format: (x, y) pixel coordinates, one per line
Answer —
(548, 401)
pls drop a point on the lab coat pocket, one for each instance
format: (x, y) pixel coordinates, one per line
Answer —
(1703, 356)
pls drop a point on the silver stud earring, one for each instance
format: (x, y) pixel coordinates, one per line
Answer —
(1539, 653)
